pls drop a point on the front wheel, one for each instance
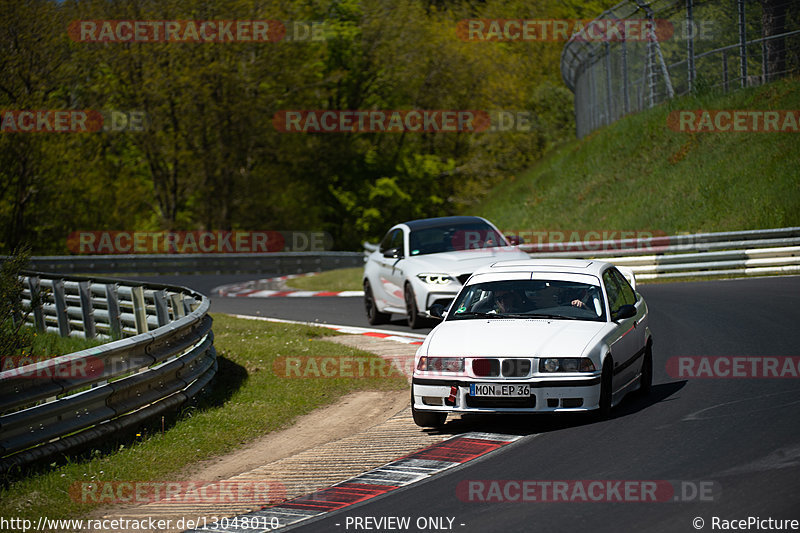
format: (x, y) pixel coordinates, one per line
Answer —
(606, 389)
(646, 379)
(374, 317)
(414, 320)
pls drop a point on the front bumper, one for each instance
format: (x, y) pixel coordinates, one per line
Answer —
(549, 395)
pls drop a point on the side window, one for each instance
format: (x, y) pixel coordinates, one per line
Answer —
(390, 238)
(627, 292)
(615, 298)
(397, 241)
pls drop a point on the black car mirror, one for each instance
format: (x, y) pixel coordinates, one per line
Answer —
(392, 253)
(437, 310)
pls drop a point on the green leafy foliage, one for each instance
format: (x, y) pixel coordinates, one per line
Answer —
(211, 158)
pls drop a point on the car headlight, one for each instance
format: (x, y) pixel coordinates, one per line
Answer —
(441, 364)
(436, 279)
(571, 364)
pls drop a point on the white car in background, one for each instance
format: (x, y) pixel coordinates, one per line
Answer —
(424, 262)
(541, 335)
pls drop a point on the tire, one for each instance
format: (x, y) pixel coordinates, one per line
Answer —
(646, 379)
(606, 388)
(427, 420)
(414, 320)
(374, 317)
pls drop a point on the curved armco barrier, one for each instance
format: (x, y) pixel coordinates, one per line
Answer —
(739, 253)
(163, 356)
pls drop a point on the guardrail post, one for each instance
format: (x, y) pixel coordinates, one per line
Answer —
(162, 313)
(38, 316)
(61, 307)
(139, 309)
(112, 300)
(176, 301)
(87, 311)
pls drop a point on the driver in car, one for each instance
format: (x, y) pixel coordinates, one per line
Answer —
(507, 301)
(585, 300)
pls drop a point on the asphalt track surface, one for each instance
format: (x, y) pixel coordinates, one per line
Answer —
(739, 436)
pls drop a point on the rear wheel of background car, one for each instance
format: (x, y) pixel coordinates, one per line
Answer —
(374, 317)
(427, 420)
(646, 380)
(414, 320)
(606, 388)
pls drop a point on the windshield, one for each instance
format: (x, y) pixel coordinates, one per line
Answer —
(453, 237)
(527, 298)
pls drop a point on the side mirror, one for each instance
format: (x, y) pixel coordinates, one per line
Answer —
(392, 253)
(514, 240)
(438, 311)
(625, 311)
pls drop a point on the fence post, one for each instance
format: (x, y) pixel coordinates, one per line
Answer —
(660, 57)
(609, 103)
(625, 95)
(690, 43)
(742, 43)
(725, 71)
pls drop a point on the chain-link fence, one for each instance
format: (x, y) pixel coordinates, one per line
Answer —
(615, 66)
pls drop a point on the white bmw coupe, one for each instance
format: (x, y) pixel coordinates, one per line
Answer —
(539, 335)
(424, 262)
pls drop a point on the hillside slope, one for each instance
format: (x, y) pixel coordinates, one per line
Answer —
(638, 174)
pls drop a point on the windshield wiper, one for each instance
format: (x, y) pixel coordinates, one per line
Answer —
(536, 315)
(476, 314)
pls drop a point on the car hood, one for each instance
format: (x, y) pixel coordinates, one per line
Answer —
(464, 260)
(513, 338)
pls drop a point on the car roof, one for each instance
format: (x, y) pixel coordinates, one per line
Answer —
(424, 223)
(566, 266)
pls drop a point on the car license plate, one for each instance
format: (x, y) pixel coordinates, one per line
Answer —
(503, 390)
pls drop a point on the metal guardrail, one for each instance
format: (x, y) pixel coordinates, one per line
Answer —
(279, 263)
(755, 252)
(163, 356)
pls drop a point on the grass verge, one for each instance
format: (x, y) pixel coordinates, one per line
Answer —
(249, 399)
(342, 279)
